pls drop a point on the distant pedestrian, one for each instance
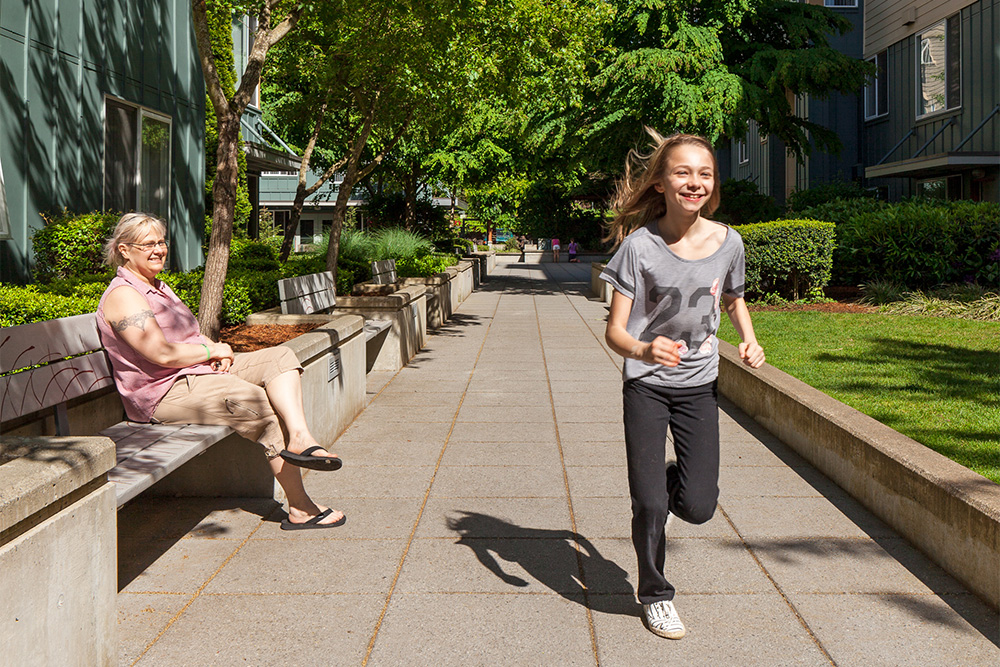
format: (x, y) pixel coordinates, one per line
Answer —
(555, 250)
(671, 270)
(573, 248)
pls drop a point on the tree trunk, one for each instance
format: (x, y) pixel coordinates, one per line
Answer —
(340, 212)
(224, 206)
(410, 184)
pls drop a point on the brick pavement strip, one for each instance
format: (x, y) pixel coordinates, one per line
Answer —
(470, 541)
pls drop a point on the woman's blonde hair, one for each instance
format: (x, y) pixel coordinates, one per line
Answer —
(636, 201)
(130, 228)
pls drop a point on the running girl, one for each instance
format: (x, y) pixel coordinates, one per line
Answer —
(671, 270)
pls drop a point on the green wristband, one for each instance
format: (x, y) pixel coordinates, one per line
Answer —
(208, 352)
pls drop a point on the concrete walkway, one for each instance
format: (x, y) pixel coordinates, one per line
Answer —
(488, 524)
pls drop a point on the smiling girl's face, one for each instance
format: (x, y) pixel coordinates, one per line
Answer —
(688, 181)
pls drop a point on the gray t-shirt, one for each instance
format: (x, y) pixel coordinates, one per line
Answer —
(676, 298)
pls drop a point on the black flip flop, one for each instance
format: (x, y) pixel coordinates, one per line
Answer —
(314, 522)
(306, 460)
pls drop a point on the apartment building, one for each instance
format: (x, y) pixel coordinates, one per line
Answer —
(927, 123)
(932, 114)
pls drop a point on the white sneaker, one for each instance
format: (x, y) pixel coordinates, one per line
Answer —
(663, 620)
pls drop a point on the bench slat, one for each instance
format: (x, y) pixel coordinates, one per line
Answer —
(384, 272)
(149, 452)
(313, 293)
(43, 342)
(40, 388)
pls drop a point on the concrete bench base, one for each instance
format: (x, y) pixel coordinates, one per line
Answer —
(944, 509)
(57, 551)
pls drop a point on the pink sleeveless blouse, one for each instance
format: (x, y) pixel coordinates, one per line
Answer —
(141, 383)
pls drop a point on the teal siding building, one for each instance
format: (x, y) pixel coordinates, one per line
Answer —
(102, 107)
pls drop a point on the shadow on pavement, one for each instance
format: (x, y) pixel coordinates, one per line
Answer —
(549, 557)
(965, 604)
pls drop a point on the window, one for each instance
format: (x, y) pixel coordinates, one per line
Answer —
(947, 187)
(4, 216)
(840, 3)
(877, 89)
(939, 67)
(306, 230)
(136, 160)
(742, 152)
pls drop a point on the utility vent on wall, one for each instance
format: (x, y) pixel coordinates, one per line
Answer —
(334, 370)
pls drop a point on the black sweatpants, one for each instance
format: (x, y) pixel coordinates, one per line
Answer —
(692, 490)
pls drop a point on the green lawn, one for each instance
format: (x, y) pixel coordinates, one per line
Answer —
(934, 379)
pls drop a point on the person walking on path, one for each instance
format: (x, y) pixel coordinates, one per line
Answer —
(555, 250)
(167, 372)
(671, 268)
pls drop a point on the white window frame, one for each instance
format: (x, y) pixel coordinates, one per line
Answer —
(142, 112)
(5, 234)
(872, 87)
(841, 4)
(742, 147)
(920, 61)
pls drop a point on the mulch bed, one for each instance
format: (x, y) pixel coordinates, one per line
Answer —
(248, 338)
(832, 307)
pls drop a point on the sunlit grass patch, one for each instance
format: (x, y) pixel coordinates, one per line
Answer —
(934, 379)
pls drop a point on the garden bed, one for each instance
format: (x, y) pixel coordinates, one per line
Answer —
(251, 337)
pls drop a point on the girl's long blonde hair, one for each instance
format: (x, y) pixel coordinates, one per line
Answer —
(636, 201)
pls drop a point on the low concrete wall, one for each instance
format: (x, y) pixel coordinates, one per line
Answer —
(545, 256)
(439, 298)
(602, 289)
(406, 308)
(944, 509)
(58, 551)
(462, 282)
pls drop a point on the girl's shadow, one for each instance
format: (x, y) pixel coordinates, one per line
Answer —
(550, 557)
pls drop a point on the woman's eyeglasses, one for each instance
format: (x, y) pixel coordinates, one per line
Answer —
(148, 247)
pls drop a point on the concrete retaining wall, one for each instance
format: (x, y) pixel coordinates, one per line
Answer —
(406, 308)
(58, 557)
(602, 289)
(545, 256)
(947, 511)
(438, 296)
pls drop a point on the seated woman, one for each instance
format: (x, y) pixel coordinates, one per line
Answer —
(167, 372)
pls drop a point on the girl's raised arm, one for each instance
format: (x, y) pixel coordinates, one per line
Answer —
(751, 352)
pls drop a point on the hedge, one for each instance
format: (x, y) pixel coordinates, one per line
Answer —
(71, 244)
(792, 258)
(920, 243)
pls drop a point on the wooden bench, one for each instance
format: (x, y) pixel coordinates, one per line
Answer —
(46, 365)
(384, 272)
(316, 293)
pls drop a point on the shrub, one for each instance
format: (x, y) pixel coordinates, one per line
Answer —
(922, 243)
(23, 305)
(253, 255)
(881, 291)
(790, 257)
(800, 200)
(245, 292)
(396, 243)
(742, 204)
(71, 244)
(423, 266)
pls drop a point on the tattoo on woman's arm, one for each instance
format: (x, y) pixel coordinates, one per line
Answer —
(137, 320)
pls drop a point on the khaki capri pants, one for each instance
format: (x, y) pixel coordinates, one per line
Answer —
(236, 399)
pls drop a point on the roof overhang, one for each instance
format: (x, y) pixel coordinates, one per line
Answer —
(933, 165)
(262, 158)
